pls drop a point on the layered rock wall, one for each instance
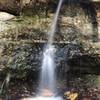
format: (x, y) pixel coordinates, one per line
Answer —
(23, 39)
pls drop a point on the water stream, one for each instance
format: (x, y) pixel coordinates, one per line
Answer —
(47, 76)
(54, 24)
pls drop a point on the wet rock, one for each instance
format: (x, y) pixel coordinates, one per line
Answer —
(71, 96)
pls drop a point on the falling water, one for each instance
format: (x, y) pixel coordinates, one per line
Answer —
(48, 66)
(47, 81)
(53, 25)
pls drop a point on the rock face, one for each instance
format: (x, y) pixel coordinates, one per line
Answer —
(17, 6)
(22, 44)
(11, 6)
(22, 41)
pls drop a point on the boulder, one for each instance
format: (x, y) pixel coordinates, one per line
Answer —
(6, 16)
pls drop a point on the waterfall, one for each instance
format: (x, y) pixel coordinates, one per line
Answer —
(48, 66)
(47, 75)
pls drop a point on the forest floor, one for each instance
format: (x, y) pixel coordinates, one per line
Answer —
(81, 90)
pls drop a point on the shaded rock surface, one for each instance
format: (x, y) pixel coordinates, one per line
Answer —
(23, 39)
(17, 6)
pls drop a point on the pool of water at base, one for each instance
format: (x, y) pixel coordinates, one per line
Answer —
(43, 98)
